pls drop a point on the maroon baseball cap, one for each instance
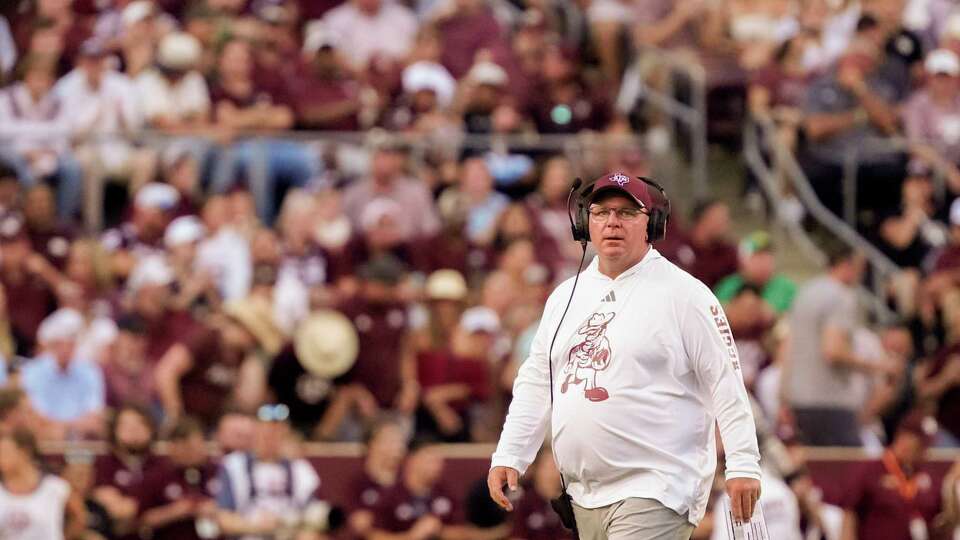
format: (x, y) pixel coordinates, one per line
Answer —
(636, 189)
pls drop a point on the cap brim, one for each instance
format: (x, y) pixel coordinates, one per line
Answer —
(608, 189)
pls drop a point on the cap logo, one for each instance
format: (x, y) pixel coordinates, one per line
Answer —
(620, 179)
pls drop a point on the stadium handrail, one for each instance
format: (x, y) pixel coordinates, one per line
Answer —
(694, 115)
(882, 266)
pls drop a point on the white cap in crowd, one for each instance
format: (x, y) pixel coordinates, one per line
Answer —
(480, 319)
(61, 325)
(446, 284)
(151, 270)
(157, 196)
(955, 213)
(136, 11)
(942, 61)
(183, 230)
(431, 76)
(487, 72)
(179, 51)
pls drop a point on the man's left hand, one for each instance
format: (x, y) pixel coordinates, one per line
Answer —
(744, 494)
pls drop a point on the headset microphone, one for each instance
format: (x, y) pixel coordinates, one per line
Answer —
(577, 233)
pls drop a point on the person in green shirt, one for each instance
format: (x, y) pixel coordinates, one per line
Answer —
(758, 268)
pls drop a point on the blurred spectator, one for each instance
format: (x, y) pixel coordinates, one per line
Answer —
(64, 388)
(176, 496)
(194, 286)
(369, 32)
(758, 268)
(8, 49)
(948, 521)
(387, 180)
(49, 236)
(382, 375)
(467, 27)
(142, 236)
(242, 102)
(566, 104)
(105, 108)
(386, 450)
(34, 504)
(893, 498)
(852, 109)
(235, 433)
(910, 233)
(456, 378)
(708, 254)
(822, 368)
(220, 365)
(119, 473)
(931, 117)
(225, 252)
(128, 376)
(938, 386)
(301, 377)
(28, 282)
(262, 490)
(78, 472)
(173, 95)
(35, 131)
(329, 94)
(484, 205)
(428, 92)
(418, 505)
(482, 90)
(533, 518)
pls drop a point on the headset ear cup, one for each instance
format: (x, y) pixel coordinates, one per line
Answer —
(583, 223)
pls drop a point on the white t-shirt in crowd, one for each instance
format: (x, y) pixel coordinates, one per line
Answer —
(359, 36)
(37, 516)
(644, 368)
(159, 97)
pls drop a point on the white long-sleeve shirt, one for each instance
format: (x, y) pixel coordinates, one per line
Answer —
(656, 341)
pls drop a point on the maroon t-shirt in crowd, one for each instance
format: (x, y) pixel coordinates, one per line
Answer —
(442, 367)
(381, 328)
(710, 263)
(53, 244)
(366, 494)
(125, 475)
(534, 519)
(785, 89)
(29, 301)
(267, 88)
(399, 509)
(463, 34)
(882, 512)
(948, 407)
(211, 380)
(948, 259)
(170, 483)
(314, 92)
(172, 328)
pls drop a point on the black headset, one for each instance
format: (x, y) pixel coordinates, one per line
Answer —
(580, 227)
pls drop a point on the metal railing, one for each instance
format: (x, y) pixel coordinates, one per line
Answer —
(693, 115)
(760, 135)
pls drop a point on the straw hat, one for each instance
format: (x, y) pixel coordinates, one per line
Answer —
(326, 343)
(256, 316)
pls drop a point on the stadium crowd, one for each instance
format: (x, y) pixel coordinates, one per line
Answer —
(186, 258)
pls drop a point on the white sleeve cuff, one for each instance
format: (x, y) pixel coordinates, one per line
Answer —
(730, 474)
(508, 461)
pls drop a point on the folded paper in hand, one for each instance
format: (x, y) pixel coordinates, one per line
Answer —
(755, 529)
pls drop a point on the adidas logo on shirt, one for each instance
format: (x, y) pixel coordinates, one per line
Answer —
(610, 297)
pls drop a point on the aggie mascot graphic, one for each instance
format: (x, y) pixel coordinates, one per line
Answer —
(589, 357)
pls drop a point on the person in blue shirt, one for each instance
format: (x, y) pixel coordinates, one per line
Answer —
(64, 389)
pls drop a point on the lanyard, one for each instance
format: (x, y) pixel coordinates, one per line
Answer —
(907, 487)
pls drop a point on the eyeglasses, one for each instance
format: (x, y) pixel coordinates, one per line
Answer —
(601, 214)
(273, 413)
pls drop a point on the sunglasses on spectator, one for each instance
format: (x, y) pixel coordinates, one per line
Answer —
(273, 413)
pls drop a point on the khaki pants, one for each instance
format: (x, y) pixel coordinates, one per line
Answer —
(632, 519)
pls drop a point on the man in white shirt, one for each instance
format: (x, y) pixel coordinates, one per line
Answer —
(644, 367)
(104, 110)
(365, 30)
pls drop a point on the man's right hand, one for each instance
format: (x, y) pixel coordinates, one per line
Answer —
(496, 478)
